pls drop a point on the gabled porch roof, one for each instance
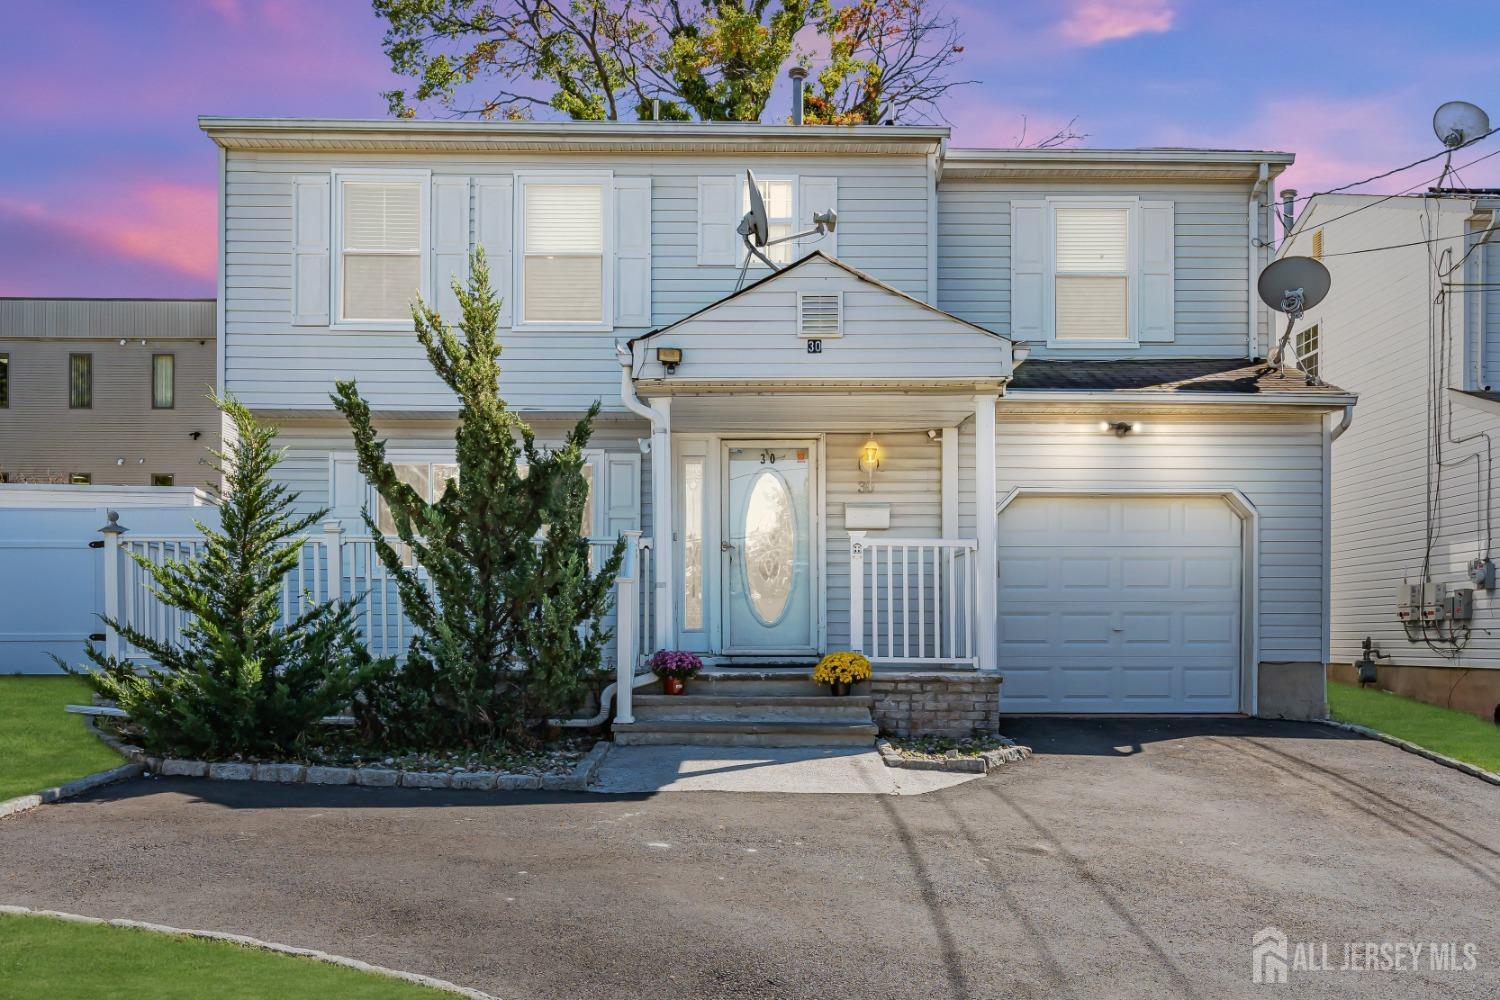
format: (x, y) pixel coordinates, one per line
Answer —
(888, 341)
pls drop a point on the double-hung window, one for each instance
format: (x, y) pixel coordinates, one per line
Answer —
(1091, 258)
(381, 247)
(780, 197)
(163, 381)
(80, 381)
(1307, 349)
(564, 238)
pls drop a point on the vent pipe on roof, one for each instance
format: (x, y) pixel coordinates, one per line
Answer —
(798, 75)
(1288, 211)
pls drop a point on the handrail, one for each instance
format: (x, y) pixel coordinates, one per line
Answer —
(921, 605)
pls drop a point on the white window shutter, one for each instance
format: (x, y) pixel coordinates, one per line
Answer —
(622, 493)
(347, 490)
(495, 231)
(311, 227)
(450, 242)
(1156, 298)
(1030, 270)
(719, 214)
(816, 194)
(633, 251)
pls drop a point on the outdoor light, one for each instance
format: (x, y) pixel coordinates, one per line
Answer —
(1119, 427)
(669, 358)
(869, 461)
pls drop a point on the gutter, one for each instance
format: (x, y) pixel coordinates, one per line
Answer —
(1182, 398)
(1343, 424)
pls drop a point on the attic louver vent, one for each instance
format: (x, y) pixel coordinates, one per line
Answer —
(1317, 247)
(820, 315)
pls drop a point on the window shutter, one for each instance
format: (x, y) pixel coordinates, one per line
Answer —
(495, 231)
(1156, 297)
(719, 214)
(311, 227)
(347, 491)
(817, 194)
(633, 251)
(622, 493)
(450, 242)
(1029, 270)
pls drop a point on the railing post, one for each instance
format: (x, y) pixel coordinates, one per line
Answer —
(627, 621)
(112, 532)
(857, 591)
(334, 543)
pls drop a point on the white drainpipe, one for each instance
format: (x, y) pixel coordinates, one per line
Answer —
(661, 497)
(1253, 219)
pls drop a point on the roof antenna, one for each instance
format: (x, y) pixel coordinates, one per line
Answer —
(755, 229)
(1292, 285)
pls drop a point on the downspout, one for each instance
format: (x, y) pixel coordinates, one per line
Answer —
(1252, 331)
(661, 497)
(1343, 424)
(1326, 604)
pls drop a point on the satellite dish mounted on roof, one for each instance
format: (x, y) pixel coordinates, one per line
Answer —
(755, 229)
(1458, 123)
(1292, 285)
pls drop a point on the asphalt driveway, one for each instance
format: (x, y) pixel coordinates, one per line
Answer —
(1132, 857)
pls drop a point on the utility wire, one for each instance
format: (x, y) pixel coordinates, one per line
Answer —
(1396, 170)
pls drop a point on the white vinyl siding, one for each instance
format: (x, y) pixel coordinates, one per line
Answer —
(381, 248)
(1092, 266)
(563, 255)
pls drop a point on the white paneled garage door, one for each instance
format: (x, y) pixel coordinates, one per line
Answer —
(1119, 604)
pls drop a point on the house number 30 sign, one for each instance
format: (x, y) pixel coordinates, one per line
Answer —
(814, 347)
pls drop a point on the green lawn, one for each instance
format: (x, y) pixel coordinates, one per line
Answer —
(44, 957)
(40, 745)
(1442, 730)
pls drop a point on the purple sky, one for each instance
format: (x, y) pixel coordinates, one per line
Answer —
(107, 187)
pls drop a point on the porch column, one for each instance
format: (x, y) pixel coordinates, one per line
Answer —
(663, 559)
(950, 482)
(984, 524)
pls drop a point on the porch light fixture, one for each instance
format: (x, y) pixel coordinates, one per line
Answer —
(1119, 428)
(669, 358)
(869, 462)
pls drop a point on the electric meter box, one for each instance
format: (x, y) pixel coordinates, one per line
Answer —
(1482, 574)
(1408, 601)
(1434, 601)
(1460, 604)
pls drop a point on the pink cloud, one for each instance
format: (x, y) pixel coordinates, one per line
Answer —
(1093, 22)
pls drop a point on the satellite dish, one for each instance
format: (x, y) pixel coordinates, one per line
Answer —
(755, 225)
(1459, 122)
(1294, 284)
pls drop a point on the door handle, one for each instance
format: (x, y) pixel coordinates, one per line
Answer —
(726, 546)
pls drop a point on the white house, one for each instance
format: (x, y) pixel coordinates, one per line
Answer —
(1412, 323)
(848, 452)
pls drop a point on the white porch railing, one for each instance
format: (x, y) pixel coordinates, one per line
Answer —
(912, 600)
(334, 565)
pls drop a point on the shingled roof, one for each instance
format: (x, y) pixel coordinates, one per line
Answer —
(1215, 375)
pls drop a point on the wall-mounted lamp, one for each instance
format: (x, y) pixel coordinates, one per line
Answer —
(933, 435)
(1119, 427)
(869, 461)
(195, 435)
(669, 358)
(119, 461)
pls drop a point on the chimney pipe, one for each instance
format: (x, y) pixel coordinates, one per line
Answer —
(1288, 210)
(798, 75)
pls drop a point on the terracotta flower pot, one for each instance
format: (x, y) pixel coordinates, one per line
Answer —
(672, 685)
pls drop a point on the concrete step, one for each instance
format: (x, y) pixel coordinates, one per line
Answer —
(753, 708)
(744, 734)
(740, 682)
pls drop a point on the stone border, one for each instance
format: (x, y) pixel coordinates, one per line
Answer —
(1420, 751)
(249, 942)
(378, 777)
(982, 764)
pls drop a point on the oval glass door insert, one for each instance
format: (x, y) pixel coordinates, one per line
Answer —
(770, 546)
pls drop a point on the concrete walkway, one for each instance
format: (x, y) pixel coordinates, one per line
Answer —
(813, 770)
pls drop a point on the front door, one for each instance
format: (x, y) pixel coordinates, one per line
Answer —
(766, 573)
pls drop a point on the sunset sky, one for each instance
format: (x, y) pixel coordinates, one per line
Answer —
(108, 188)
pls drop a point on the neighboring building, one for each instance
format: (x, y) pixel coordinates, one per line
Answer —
(107, 391)
(1415, 330)
(1133, 520)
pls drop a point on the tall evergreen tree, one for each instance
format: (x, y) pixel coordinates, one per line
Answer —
(505, 608)
(238, 679)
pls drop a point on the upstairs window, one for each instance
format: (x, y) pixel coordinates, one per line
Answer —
(1307, 349)
(1092, 262)
(163, 381)
(563, 244)
(780, 196)
(4, 381)
(380, 249)
(80, 381)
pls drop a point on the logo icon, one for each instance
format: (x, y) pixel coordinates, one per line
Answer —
(1268, 956)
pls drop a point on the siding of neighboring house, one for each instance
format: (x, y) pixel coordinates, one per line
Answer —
(1211, 244)
(43, 440)
(1275, 459)
(1374, 337)
(270, 363)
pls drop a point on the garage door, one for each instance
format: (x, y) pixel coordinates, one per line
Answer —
(1119, 604)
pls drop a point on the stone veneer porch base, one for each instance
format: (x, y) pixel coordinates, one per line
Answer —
(955, 704)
